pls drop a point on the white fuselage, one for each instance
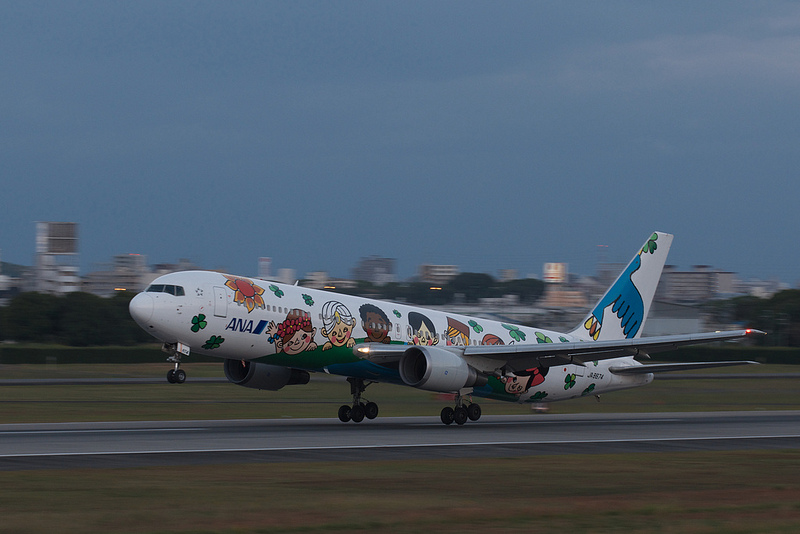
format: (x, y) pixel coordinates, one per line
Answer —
(241, 318)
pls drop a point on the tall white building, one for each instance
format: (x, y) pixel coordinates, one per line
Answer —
(57, 269)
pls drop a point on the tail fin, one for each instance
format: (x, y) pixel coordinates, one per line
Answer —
(623, 309)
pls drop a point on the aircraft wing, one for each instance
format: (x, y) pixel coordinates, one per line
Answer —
(518, 357)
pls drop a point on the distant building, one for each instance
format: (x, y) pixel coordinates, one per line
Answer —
(668, 318)
(264, 268)
(559, 296)
(322, 280)
(376, 270)
(128, 272)
(701, 284)
(608, 272)
(57, 258)
(437, 274)
(556, 273)
(286, 276)
(506, 275)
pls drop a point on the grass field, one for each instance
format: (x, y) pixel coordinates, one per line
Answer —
(720, 492)
(682, 492)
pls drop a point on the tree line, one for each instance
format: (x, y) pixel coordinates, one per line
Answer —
(75, 319)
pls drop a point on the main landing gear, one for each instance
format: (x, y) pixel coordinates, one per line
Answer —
(359, 410)
(460, 414)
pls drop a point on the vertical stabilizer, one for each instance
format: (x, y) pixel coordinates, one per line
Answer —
(623, 309)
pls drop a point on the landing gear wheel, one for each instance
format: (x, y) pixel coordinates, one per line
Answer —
(460, 415)
(371, 410)
(359, 409)
(344, 413)
(448, 415)
(180, 376)
(357, 413)
(474, 412)
(171, 376)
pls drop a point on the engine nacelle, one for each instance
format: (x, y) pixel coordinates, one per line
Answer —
(262, 375)
(435, 369)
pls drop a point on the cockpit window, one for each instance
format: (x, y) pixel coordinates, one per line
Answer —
(161, 288)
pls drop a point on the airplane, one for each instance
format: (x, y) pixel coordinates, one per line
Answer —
(272, 335)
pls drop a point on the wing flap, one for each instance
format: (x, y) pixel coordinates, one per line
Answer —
(669, 367)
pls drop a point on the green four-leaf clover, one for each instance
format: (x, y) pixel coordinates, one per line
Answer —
(214, 342)
(569, 381)
(275, 289)
(514, 332)
(198, 322)
(541, 338)
(539, 395)
(651, 244)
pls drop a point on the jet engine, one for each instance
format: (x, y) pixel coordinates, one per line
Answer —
(263, 376)
(435, 369)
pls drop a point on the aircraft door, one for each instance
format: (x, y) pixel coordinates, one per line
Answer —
(220, 302)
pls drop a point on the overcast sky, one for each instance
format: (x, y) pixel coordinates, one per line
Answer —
(484, 134)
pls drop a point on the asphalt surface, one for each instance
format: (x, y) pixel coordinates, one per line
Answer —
(132, 444)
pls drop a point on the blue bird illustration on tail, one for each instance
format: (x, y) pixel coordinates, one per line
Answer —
(624, 298)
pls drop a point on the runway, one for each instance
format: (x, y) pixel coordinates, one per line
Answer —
(132, 444)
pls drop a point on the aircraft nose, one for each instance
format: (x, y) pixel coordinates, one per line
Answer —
(141, 308)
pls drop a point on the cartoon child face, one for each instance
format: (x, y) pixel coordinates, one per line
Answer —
(376, 328)
(300, 341)
(294, 335)
(339, 324)
(424, 336)
(339, 334)
(517, 385)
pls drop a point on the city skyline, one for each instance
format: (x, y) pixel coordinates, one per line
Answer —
(490, 136)
(277, 270)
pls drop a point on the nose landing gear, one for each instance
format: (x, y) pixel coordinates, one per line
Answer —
(177, 375)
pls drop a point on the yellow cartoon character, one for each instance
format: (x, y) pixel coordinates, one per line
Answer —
(457, 333)
(338, 325)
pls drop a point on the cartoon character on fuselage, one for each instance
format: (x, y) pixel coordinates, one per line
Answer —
(457, 333)
(375, 323)
(338, 324)
(422, 330)
(294, 335)
(521, 382)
